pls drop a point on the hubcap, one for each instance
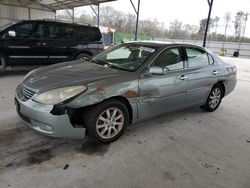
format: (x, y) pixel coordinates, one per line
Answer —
(110, 123)
(215, 98)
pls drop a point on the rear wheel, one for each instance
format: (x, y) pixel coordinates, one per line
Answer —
(214, 98)
(82, 56)
(106, 121)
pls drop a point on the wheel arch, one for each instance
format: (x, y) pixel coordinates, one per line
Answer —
(83, 52)
(222, 85)
(125, 101)
(75, 115)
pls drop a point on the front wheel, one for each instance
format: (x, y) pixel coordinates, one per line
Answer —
(106, 121)
(214, 99)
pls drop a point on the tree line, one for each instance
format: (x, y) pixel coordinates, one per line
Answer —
(125, 23)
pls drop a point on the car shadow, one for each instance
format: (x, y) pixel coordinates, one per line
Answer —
(22, 146)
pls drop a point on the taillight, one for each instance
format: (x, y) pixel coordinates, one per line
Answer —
(232, 69)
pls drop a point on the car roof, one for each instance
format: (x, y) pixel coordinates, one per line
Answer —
(59, 21)
(163, 44)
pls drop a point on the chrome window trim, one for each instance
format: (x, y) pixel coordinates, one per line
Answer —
(59, 57)
(28, 57)
(21, 47)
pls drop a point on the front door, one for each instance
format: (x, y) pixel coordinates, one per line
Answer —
(161, 93)
(27, 45)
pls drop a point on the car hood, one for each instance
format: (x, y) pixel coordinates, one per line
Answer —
(68, 74)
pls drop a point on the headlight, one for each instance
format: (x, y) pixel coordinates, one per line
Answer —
(56, 96)
(28, 74)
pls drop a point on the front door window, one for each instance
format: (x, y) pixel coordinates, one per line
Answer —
(170, 59)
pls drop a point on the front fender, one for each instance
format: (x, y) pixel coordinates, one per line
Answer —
(97, 93)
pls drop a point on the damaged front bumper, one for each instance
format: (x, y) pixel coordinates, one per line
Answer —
(40, 118)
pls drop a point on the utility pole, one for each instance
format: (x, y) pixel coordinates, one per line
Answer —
(137, 12)
(210, 4)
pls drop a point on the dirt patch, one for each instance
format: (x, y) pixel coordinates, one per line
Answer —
(91, 148)
(9, 136)
(163, 120)
(213, 169)
(168, 175)
(39, 156)
(21, 146)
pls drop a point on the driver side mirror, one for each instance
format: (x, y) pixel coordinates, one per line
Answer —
(157, 70)
(11, 33)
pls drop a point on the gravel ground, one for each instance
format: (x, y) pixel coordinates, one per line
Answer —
(187, 149)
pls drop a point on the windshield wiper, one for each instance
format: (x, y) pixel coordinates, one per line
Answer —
(111, 65)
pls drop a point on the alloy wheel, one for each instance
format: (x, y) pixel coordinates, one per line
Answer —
(214, 98)
(110, 123)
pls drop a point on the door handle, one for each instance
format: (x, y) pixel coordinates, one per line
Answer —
(214, 72)
(183, 77)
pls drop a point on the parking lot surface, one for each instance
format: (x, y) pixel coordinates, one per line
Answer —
(186, 149)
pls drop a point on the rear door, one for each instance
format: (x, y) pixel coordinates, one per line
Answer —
(163, 93)
(199, 76)
(62, 42)
(27, 45)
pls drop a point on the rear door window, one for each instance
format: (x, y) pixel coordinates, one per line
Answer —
(74, 33)
(89, 34)
(197, 57)
(39, 31)
(59, 31)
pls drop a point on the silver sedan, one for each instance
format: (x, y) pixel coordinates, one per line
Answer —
(122, 85)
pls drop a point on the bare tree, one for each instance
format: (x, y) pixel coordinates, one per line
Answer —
(129, 23)
(238, 22)
(227, 19)
(107, 15)
(125, 23)
(120, 22)
(244, 25)
(175, 29)
(161, 30)
(216, 21)
(190, 31)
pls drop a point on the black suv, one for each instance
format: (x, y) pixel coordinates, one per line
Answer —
(43, 42)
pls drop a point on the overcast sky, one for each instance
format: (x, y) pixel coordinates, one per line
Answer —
(186, 11)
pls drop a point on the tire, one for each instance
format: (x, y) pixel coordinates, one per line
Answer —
(2, 64)
(101, 121)
(82, 56)
(214, 98)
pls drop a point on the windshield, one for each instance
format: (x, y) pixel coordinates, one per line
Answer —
(6, 26)
(128, 57)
